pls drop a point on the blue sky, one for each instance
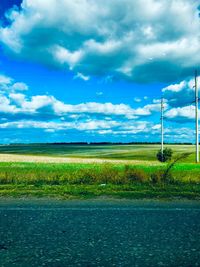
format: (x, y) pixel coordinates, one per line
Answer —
(87, 70)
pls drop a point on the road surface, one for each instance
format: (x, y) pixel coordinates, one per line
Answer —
(99, 233)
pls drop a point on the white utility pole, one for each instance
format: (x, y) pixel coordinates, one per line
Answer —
(162, 125)
(197, 118)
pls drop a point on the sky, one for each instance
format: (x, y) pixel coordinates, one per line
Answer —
(95, 71)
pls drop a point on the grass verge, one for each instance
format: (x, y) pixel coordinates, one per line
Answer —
(136, 191)
(89, 181)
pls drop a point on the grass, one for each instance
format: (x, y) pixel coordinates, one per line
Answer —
(122, 152)
(90, 191)
(81, 180)
(94, 180)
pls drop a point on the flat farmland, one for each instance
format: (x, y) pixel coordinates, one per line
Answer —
(87, 171)
(143, 152)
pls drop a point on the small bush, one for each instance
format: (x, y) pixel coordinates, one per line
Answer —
(164, 156)
(135, 175)
(161, 177)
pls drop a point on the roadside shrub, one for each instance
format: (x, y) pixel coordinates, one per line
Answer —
(160, 176)
(165, 175)
(164, 156)
(135, 175)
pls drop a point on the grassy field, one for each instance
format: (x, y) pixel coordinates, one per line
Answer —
(122, 152)
(136, 175)
(93, 180)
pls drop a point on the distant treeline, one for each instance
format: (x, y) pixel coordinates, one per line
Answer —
(100, 143)
(117, 143)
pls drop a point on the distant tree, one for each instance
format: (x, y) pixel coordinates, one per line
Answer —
(164, 156)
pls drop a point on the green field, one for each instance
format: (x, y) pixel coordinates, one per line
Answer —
(126, 152)
(83, 180)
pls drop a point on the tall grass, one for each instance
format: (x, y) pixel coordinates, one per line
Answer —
(90, 174)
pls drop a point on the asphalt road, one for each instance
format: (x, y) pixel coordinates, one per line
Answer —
(99, 233)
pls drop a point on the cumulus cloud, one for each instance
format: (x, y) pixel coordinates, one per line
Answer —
(19, 103)
(180, 94)
(181, 134)
(19, 86)
(98, 119)
(48, 113)
(141, 130)
(45, 112)
(180, 98)
(50, 126)
(100, 127)
(148, 109)
(5, 80)
(81, 76)
(8, 84)
(143, 40)
(181, 114)
(17, 98)
(137, 99)
(16, 103)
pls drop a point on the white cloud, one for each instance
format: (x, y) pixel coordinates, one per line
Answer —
(180, 94)
(180, 98)
(137, 99)
(19, 104)
(19, 87)
(181, 114)
(17, 98)
(81, 76)
(22, 112)
(37, 102)
(148, 109)
(63, 55)
(143, 40)
(99, 93)
(156, 127)
(14, 102)
(6, 106)
(8, 84)
(5, 80)
(58, 126)
(45, 112)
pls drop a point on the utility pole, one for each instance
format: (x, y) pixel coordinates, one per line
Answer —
(197, 117)
(162, 125)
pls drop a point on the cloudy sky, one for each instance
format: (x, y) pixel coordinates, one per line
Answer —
(95, 70)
